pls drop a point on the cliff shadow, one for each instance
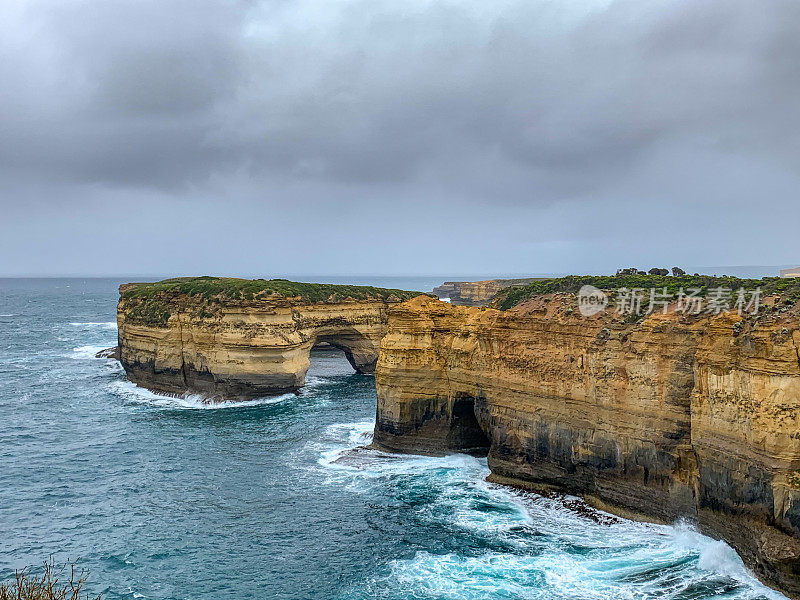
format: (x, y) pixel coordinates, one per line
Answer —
(466, 433)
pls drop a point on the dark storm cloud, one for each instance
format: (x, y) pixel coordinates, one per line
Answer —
(615, 104)
(162, 93)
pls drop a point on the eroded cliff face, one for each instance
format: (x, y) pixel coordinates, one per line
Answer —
(475, 293)
(241, 348)
(669, 417)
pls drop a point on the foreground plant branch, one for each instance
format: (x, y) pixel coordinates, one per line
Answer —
(49, 585)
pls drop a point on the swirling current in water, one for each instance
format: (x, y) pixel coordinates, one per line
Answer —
(173, 498)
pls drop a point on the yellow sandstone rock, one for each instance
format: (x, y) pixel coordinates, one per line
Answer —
(242, 346)
(669, 417)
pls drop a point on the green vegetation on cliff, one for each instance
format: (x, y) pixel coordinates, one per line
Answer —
(150, 303)
(149, 311)
(231, 288)
(788, 289)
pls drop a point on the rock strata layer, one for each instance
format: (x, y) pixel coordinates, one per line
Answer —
(664, 418)
(214, 339)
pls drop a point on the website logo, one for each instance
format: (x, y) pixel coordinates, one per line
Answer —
(591, 300)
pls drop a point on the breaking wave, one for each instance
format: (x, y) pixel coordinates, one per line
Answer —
(89, 351)
(130, 392)
(514, 544)
(104, 325)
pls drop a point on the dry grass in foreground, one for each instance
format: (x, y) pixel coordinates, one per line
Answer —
(51, 584)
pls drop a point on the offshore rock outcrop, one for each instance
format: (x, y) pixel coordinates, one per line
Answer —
(228, 338)
(475, 293)
(668, 417)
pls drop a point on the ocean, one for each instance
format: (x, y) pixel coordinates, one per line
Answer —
(172, 498)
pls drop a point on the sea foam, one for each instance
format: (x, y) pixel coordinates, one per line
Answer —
(88, 351)
(130, 392)
(554, 547)
(99, 325)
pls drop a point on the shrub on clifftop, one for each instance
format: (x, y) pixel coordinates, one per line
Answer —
(787, 288)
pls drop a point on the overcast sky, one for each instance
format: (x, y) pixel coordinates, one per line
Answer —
(408, 136)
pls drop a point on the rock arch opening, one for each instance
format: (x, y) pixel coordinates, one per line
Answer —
(361, 352)
(240, 347)
(326, 360)
(323, 354)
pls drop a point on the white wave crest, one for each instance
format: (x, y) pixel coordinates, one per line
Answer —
(83, 352)
(563, 548)
(356, 434)
(614, 572)
(464, 499)
(715, 556)
(344, 453)
(132, 393)
(105, 325)
(454, 576)
(313, 382)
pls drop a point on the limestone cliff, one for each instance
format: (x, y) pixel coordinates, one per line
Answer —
(664, 417)
(240, 338)
(475, 293)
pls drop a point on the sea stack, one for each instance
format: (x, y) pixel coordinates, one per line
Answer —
(236, 338)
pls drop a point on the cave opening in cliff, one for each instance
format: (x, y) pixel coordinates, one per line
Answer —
(465, 430)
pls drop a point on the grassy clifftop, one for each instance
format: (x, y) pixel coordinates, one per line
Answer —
(788, 289)
(153, 303)
(230, 288)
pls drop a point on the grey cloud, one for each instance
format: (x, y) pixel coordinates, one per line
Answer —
(465, 106)
(370, 91)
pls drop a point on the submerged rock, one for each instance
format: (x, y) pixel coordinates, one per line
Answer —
(109, 353)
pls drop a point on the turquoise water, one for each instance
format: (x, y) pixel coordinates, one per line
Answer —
(170, 498)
